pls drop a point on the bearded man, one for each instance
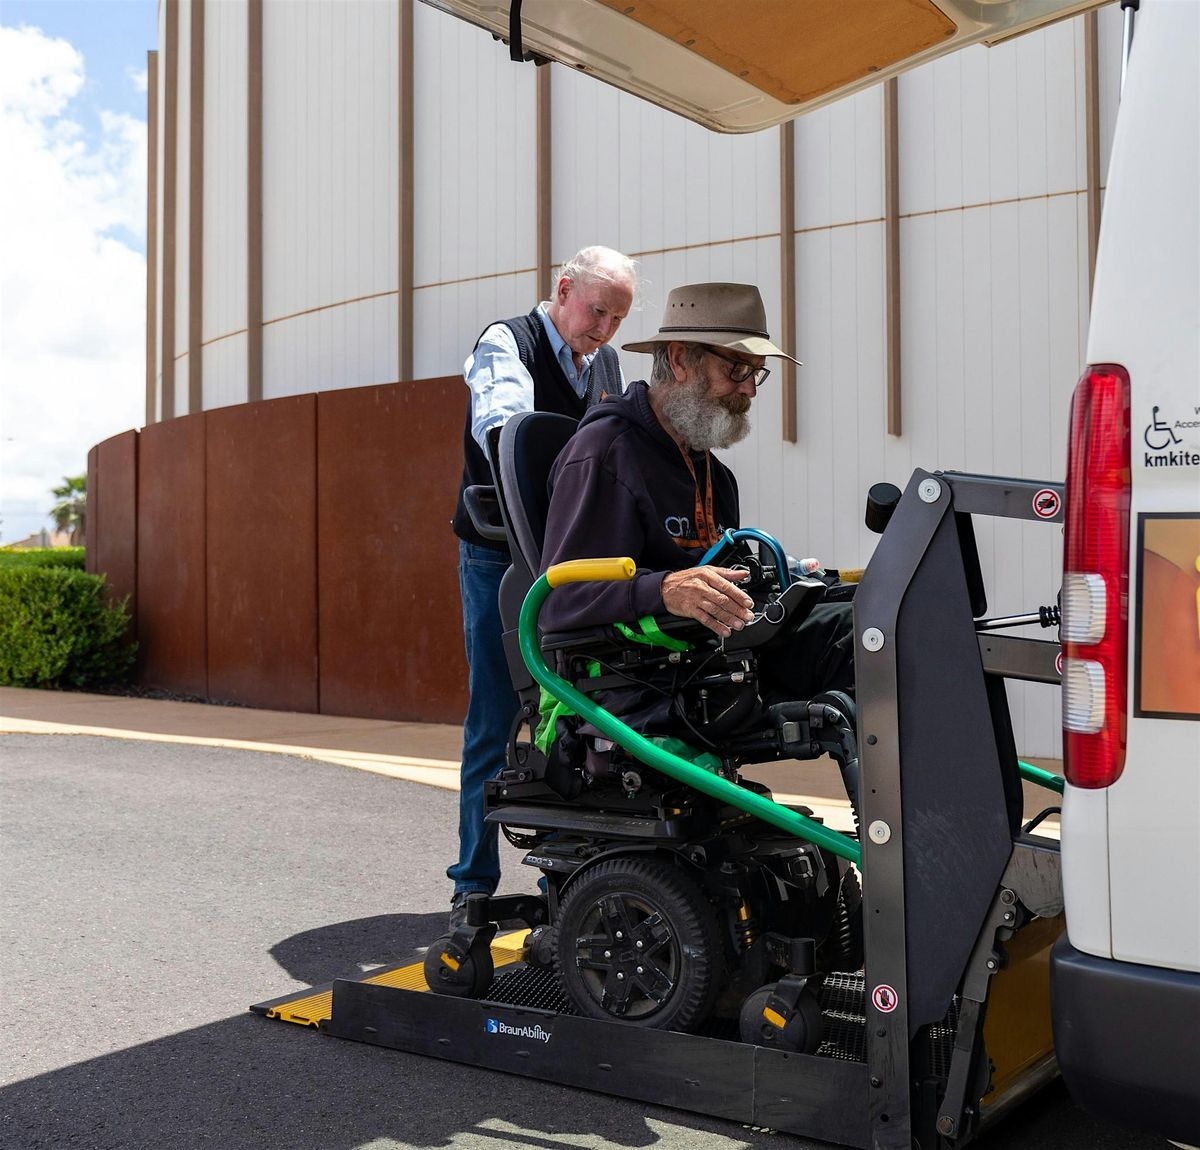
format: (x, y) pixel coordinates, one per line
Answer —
(639, 478)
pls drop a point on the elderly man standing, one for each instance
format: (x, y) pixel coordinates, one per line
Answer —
(639, 478)
(553, 359)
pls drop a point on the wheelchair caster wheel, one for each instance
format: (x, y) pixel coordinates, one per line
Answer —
(469, 978)
(540, 946)
(802, 1033)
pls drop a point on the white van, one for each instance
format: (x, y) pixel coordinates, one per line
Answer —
(1126, 979)
(1126, 976)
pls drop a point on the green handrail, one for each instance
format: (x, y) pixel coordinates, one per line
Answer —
(1047, 779)
(611, 570)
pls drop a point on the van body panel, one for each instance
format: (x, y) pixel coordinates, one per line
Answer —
(1146, 317)
(1085, 869)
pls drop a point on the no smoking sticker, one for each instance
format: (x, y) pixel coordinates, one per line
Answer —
(885, 998)
(1046, 503)
(1058, 663)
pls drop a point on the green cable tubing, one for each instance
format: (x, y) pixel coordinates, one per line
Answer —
(638, 745)
(1045, 779)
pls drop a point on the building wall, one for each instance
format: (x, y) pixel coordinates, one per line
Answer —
(223, 315)
(993, 247)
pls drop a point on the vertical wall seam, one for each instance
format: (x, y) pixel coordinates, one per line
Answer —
(254, 202)
(544, 178)
(787, 272)
(151, 237)
(891, 225)
(170, 149)
(404, 361)
(316, 506)
(196, 212)
(1091, 89)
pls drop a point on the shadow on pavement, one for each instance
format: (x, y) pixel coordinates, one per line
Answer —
(247, 1082)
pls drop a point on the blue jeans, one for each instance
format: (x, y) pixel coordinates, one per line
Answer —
(490, 712)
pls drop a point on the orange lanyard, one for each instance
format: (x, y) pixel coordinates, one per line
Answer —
(706, 521)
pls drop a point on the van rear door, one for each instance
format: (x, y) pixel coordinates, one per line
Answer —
(743, 67)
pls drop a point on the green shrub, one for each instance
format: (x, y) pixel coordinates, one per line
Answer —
(58, 630)
(71, 557)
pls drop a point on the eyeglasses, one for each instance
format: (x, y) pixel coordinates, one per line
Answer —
(739, 370)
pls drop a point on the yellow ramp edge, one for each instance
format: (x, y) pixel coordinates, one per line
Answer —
(314, 1007)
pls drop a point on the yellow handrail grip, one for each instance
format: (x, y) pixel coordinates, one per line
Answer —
(591, 571)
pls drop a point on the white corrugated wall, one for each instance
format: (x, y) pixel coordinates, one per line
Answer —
(993, 246)
(223, 318)
(330, 195)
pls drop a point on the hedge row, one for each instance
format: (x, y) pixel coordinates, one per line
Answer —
(57, 629)
(71, 557)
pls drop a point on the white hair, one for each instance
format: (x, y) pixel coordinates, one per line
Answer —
(598, 263)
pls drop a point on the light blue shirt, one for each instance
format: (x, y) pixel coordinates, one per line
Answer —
(501, 387)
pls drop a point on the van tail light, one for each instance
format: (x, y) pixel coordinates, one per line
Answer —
(1095, 592)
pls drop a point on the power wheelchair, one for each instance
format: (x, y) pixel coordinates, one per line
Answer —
(665, 906)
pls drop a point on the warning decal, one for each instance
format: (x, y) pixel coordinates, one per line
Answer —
(885, 998)
(1046, 503)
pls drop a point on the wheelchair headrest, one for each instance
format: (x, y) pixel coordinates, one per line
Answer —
(529, 445)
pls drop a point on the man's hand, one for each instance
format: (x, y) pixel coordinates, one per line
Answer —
(708, 595)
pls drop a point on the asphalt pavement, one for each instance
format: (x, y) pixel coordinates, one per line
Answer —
(151, 891)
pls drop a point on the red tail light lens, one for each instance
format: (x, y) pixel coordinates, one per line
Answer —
(1095, 599)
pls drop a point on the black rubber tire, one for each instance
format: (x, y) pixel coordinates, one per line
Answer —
(473, 977)
(540, 948)
(843, 950)
(681, 957)
(802, 1034)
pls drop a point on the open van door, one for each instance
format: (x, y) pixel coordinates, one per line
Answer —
(744, 67)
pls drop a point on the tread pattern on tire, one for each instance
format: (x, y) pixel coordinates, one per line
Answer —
(695, 927)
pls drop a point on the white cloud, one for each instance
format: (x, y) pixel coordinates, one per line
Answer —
(72, 291)
(139, 78)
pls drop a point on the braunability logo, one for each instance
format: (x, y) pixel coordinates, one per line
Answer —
(536, 1033)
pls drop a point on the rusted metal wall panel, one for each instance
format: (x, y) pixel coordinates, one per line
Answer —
(113, 503)
(389, 465)
(91, 527)
(261, 556)
(170, 530)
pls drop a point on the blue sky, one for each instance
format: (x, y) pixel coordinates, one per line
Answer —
(113, 36)
(72, 240)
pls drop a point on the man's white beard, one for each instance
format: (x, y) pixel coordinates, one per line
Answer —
(703, 423)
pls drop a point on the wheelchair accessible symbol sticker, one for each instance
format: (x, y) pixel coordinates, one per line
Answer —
(885, 998)
(1046, 503)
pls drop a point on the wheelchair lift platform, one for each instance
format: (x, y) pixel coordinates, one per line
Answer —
(524, 1025)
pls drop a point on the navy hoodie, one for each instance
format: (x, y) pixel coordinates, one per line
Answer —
(621, 487)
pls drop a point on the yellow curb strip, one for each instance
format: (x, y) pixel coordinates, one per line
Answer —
(434, 772)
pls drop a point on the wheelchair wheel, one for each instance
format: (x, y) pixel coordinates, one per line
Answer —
(638, 941)
(470, 979)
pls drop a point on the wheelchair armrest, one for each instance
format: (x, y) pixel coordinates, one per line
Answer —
(484, 509)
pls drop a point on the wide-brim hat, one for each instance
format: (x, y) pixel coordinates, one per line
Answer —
(721, 315)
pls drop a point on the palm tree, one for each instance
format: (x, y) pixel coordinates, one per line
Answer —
(70, 512)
